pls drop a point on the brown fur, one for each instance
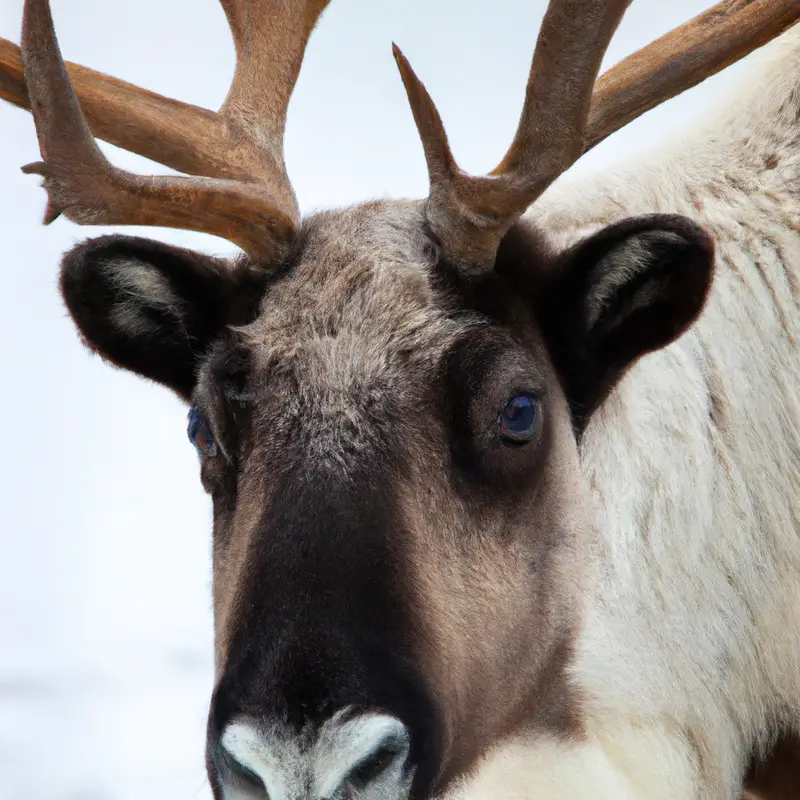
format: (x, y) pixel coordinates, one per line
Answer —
(383, 329)
(378, 544)
(777, 776)
(375, 542)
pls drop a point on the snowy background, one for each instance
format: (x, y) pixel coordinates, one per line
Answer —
(105, 624)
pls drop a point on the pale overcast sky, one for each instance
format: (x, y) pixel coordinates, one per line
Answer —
(105, 628)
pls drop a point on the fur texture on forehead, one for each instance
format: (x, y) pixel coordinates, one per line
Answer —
(349, 335)
(359, 296)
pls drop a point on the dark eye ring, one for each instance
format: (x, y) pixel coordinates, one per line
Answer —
(200, 435)
(519, 419)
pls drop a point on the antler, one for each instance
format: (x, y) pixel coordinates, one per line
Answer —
(562, 118)
(243, 195)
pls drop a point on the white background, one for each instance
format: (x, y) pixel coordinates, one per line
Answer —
(105, 627)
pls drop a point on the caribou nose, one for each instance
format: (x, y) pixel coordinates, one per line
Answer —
(362, 755)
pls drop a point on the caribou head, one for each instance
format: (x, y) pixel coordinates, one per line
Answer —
(386, 400)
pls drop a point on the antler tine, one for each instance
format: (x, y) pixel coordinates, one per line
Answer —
(246, 197)
(270, 41)
(563, 118)
(469, 214)
(270, 37)
(683, 58)
(573, 39)
(159, 128)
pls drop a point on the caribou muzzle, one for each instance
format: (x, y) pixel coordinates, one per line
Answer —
(320, 691)
(354, 754)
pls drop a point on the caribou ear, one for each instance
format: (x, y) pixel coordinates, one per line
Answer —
(152, 308)
(631, 288)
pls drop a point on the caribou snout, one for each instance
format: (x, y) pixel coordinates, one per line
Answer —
(353, 754)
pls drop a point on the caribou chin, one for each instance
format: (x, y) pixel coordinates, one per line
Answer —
(505, 502)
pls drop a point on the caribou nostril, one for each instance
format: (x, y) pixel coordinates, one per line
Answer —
(242, 773)
(370, 769)
(229, 768)
(348, 756)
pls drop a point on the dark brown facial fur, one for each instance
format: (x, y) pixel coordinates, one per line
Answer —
(377, 543)
(777, 775)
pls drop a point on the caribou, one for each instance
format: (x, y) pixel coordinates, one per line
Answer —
(505, 482)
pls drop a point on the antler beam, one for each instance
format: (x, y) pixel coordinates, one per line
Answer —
(243, 195)
(172, 133)
(683, 58)
(563, 118)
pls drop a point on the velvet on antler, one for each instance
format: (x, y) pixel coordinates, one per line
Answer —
(239, 189)
(567, 113)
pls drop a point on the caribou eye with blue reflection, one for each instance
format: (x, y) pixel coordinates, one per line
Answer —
(199, 434)
(519, 420)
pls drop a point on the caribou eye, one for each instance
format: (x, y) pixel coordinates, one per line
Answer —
(200, 434)
(519, 420)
